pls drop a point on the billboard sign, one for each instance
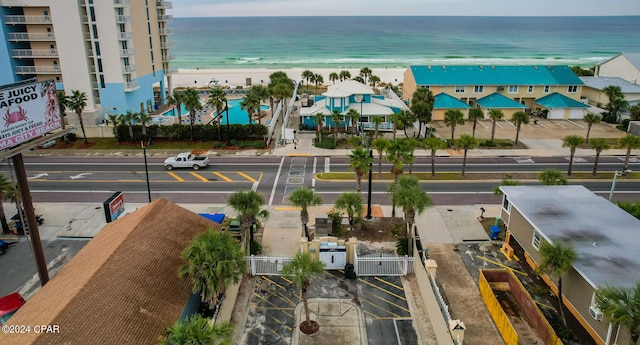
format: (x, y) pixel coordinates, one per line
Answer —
(113, 207)
(28, 111)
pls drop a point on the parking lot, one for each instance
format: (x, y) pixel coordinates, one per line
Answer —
(271, 312)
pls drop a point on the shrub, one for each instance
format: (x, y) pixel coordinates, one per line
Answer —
(487, 143)
(326, 143)
(506, 143)
(256, 248)
(402, 246)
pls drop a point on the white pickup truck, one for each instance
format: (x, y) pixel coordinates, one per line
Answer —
(186, 160)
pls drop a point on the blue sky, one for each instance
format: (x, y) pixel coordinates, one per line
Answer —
(250, 8)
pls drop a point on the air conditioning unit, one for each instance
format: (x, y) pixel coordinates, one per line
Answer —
(595, 313)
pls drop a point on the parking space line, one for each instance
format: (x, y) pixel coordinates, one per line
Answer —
(274, 283)
(378, 307)
(270, 303)
(381, 289)
(388, 283)
(199, 176)
(175, 176)
(222, 176)
(246, 176)
(393, 304)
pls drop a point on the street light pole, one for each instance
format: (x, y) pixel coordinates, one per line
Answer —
(613, 184)
(369, 191)
(226, 108)
(146, 169)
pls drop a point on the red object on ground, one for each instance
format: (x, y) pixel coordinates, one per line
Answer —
(9, 304)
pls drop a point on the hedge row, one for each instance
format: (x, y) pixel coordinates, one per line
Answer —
(200, 132)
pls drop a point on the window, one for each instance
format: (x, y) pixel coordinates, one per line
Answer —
(49, 33)
(97, 44)
(536, 239)
(513, 89)
(572, 88)
(102, 81)
(95, 31)
(459, 89)
(100, 65)
(478, 89)
(55, 65)
(546, 89)
(530, 89)
(505, 203)
(92, 13)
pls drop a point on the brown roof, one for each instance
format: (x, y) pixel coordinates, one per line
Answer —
(122, 287)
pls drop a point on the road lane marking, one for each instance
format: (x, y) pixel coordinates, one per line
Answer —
(275, 182)
(246, 176)
(175, 176)
(202, 178)
(222, 176)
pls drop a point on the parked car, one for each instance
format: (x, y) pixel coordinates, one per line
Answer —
(186, 160)
(9, 304)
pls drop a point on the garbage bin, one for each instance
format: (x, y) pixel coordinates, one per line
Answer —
(494, 232)
(349, 271)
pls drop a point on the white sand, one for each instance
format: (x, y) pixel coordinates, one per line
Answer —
(237, 77)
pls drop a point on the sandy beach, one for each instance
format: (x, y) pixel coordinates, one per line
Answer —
(238, 77)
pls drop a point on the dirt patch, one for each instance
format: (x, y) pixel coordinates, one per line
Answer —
(378, 229)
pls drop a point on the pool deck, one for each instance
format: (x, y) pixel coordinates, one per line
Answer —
(202, 117)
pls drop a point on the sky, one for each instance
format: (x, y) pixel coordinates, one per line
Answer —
(267, 8)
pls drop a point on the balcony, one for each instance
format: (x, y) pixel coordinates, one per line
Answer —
(166, 31)
(164, 4)
(168, 57)
(127, 52)
(30, 53)
(170, 71)
(27, 19)
(131, 86)
(128, 69)
(37, 70)
(120, 3)
(125, 35)
(24, 36)
(167, 44)
(165, 18)
(123, 19)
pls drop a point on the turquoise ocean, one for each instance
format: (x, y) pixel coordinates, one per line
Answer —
(397, 42)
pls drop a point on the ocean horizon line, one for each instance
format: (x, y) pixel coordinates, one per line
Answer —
(418, 16)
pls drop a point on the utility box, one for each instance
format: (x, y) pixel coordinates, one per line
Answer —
(323, 225)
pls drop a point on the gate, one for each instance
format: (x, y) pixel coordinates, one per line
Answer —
(333, 255)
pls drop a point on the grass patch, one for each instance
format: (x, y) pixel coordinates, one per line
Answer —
(113, 144)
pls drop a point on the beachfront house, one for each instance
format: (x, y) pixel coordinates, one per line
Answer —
(622, 70)
(604, 236)
(469, 84)
(444, 102)
(351, 94)
(498, 101)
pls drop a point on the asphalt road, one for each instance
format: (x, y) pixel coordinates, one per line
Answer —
(93, 179)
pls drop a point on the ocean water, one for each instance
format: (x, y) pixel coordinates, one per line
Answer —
(397, 42)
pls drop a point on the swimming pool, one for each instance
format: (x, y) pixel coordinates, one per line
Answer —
(236, 114)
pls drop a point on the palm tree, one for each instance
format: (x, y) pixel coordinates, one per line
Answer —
(365, 72)
(621, 306)
(213, 262)
(557, 259)
(192, 103)
(519, 118)
(317, 79)
(115, 120)
(495, 115)
(452, 118)
(301, 270)
(377, 120)
(433, 144)
(422, 102)
(617, 103)
(408, 195)
(5, 187)
(380, 144)
(359, 79)
(353, 116)
(572, 141)
(251, 104)
(333, 76)
(319, 120)
(248, 206)
(335, 118)
(629, 141)
(598, 144)
(634, 112)
(303, 198)
(404, 117)
(306, 75)
(373, 80)
(177, 100)
(351, 204)
(143, 118)
(591, 119)
(475, 114)
(360, 162)
(196, 329)
(217, 99)
(127, 119)
(344, 75)
(397, 153)
(551, 177)
(466, 142)
(63, 100)
(282, 91)
(78, 101)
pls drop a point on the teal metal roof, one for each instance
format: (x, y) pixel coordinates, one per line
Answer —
(494, 75)
(444, 101)
(556, 100)
(498, 101)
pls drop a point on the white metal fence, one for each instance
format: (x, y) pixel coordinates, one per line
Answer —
(370, 265)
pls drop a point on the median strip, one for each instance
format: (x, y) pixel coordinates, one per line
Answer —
(175, 176)
(246, 176)
(199, 177)
(222, 176)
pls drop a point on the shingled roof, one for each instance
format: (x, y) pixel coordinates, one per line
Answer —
(122, 287)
